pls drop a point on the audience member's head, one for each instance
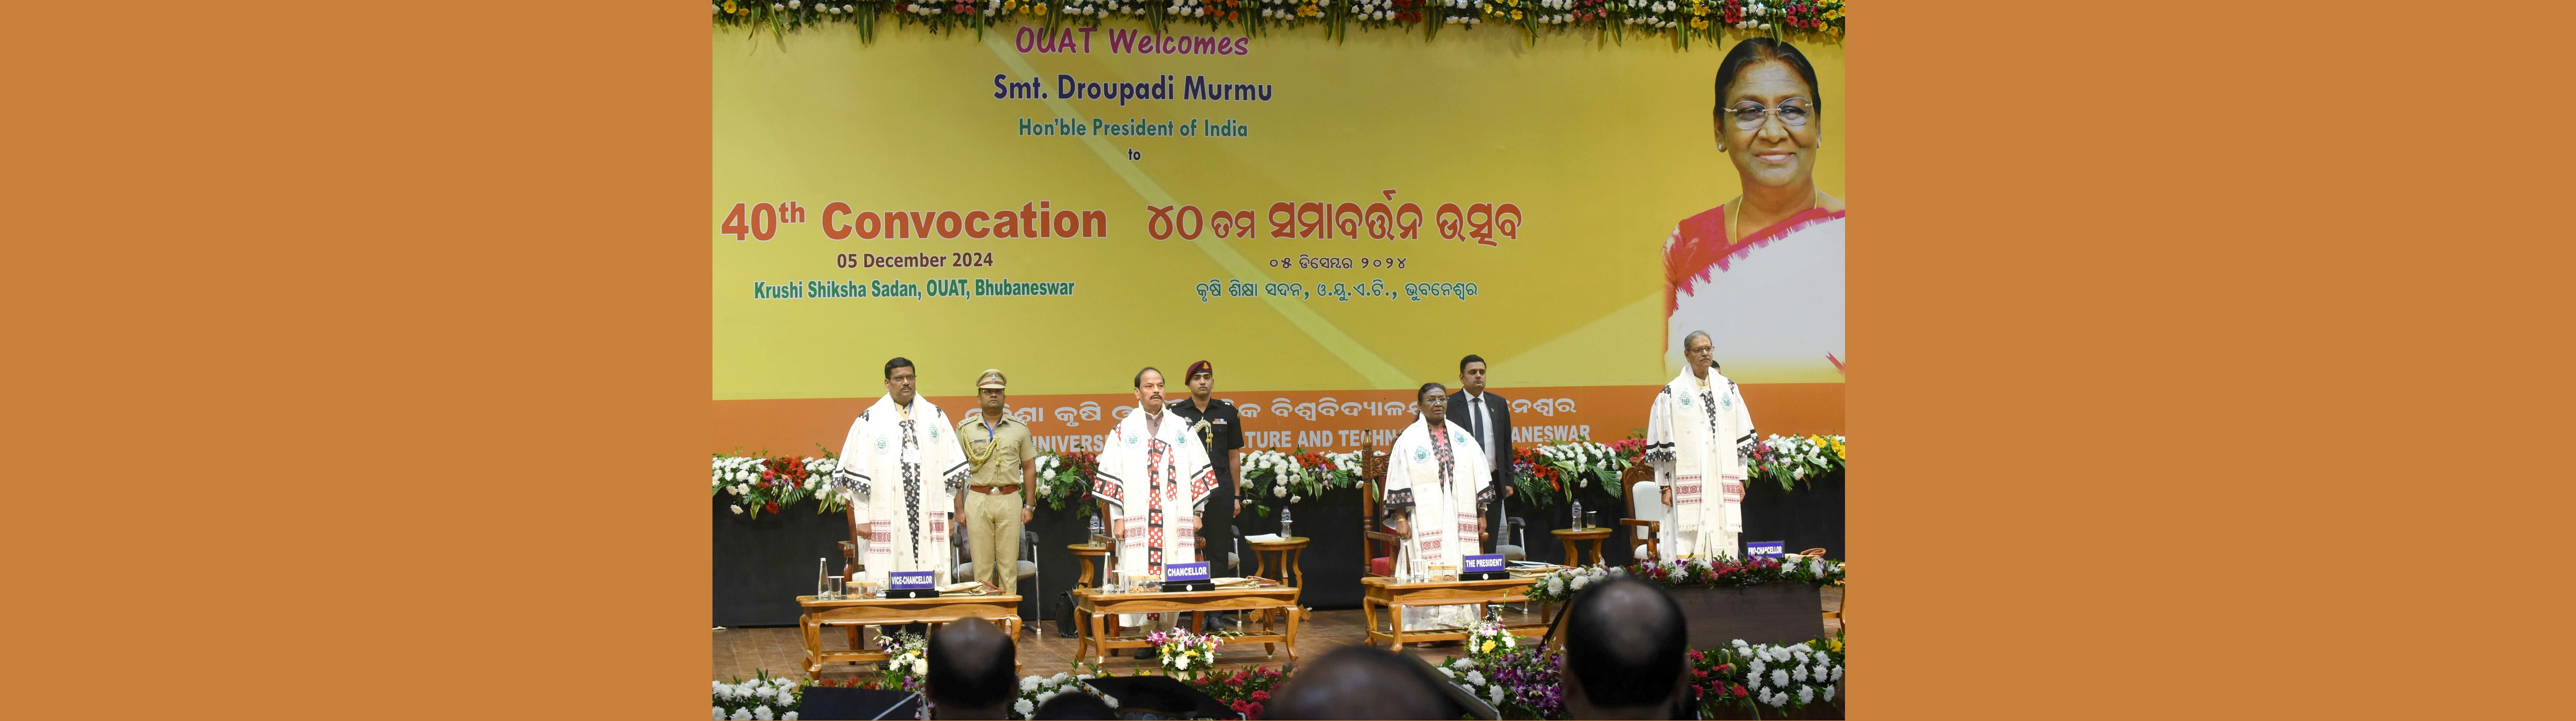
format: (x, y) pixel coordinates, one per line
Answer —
(1624, 647)
(1073, 706)
(1361, 682)
(971, 663)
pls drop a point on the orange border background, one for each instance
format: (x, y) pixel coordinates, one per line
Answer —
(364, 358)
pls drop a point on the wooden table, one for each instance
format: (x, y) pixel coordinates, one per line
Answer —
(1290, 550)
(1385, 592)
(1003, 608)
(1571, 536)
(1084, 552)
(1096, 608)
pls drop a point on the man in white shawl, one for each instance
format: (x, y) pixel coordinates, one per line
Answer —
(1697, 434)
(1437, 484)
(1154, 476)
(900, 468)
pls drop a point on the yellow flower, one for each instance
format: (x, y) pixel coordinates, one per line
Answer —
(1835, 645)
(1516, 15)
(1489, 646)
(1191, 654)
(1039, 8)
(729, 7)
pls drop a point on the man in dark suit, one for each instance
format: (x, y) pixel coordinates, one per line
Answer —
(1488, 418)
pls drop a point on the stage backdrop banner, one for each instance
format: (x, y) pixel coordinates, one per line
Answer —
(1331, 222)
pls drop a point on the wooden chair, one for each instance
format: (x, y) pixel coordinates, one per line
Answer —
(1376, 545)
(1646, 510)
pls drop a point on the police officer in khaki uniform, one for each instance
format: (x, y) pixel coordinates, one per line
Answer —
(1003, 460)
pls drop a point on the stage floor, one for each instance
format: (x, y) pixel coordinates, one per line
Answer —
(742, 652)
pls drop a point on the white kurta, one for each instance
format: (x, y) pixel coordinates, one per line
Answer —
(1154, 484)
(1439, 482)
(902, 475)
(1696, 437)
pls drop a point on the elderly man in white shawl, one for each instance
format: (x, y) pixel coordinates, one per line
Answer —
(1437, 483)
(1154, 476)
(900, 468)
(1697, 434)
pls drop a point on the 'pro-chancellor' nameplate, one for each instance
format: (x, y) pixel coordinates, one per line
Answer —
(905, 580)
(1483, 562)
(1185, 571)
(1765, 549)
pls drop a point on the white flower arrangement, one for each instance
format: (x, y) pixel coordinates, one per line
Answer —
(1035, 691)
(764, 698)
(1270, 476)
(1185, 654)
(1485, 639)
(1790, 459)
(1812, 668)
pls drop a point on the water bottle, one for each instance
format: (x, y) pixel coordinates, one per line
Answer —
(1284, 531)
(1095, 529)
(1578, 515)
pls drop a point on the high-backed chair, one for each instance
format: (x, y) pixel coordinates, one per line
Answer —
(1377, 545)
(1516, 531)
(1646, 510)
(1028, 565)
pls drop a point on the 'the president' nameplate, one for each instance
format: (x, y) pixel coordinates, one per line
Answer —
(1482, 567)
(1765, 549)
(1186, 571)
(906, 580)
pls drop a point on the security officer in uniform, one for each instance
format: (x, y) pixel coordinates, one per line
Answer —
(1003, 460)
(1221, 431)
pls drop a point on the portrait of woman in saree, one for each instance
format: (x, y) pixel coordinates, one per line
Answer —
(1762, 273)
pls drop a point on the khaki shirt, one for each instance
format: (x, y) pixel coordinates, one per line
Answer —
(1014, 444)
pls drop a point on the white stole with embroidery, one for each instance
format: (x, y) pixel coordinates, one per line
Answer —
(902, 489)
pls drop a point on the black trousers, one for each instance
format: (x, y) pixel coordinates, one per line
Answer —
(1216, 525)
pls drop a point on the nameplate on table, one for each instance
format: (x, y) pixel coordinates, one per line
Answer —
(1765, 549)
(1482, 567)
(1186, 572)
(908, 580)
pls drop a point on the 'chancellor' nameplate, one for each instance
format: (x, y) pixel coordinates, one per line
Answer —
(1484, 562)
(902, 580)
(1186, 571)
(1765, 549)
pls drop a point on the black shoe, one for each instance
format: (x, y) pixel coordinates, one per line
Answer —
(1144, 653)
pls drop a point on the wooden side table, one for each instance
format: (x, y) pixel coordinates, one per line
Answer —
(1084, 552)
(1289, 550)
(1570, 537)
